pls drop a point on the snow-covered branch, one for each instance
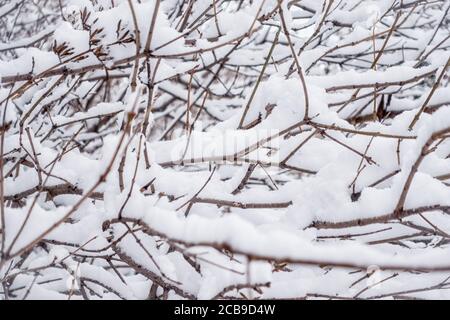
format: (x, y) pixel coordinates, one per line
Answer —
(224, 149)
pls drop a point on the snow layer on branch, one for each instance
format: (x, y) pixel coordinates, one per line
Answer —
(207, 166)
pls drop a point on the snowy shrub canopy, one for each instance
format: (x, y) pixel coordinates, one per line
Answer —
(217, 149)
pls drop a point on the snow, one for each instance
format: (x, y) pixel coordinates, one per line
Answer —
(196, 170)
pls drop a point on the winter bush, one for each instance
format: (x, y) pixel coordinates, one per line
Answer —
(224, 149)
